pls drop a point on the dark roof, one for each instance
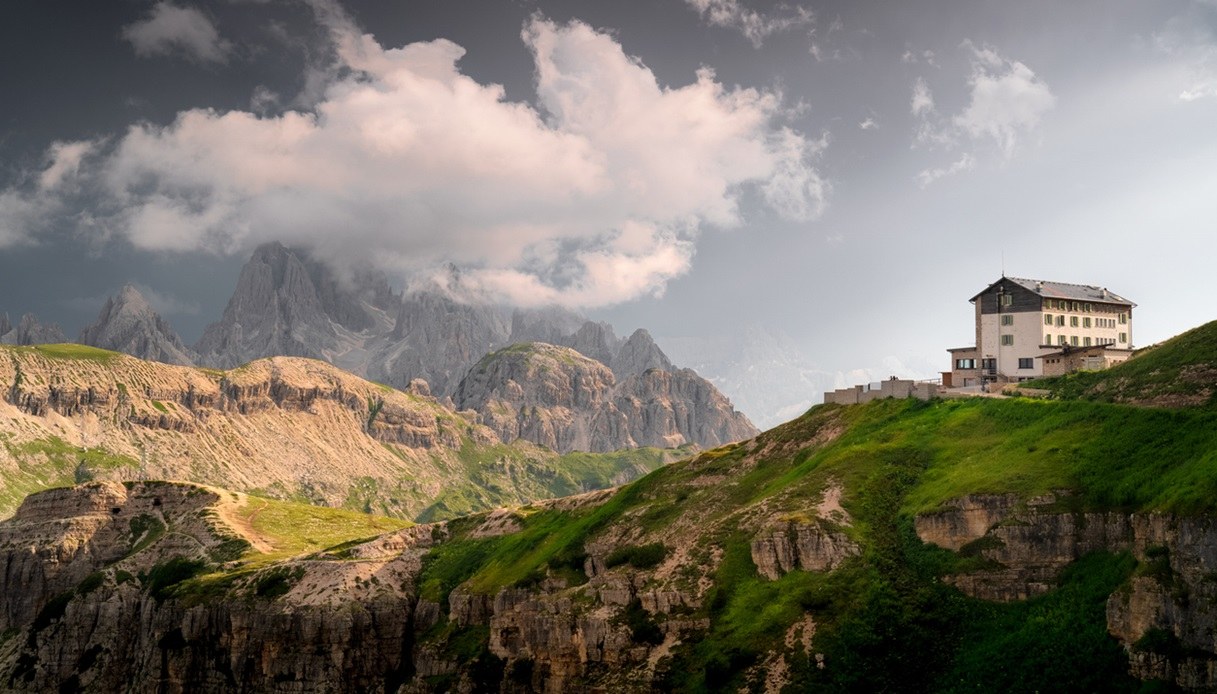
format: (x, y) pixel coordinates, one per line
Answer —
(1065, 290)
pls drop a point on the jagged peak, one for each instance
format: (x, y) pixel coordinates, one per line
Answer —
(638, 354)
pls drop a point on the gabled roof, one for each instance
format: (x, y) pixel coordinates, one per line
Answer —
(1063, 290)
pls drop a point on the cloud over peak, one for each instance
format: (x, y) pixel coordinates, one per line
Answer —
(595, 196)
(170, 29)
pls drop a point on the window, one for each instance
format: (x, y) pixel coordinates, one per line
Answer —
(1047, 319)
(1060, 339)
(1073, 340)
(1073, 321)
(1089, 308)
(1123, 318)
(1007, 340)
(1086, 341)
(989, 365)
(965, 363)
(1086, 322)
(1060, 321)
(1007, 299)
(1026, 363)
(1073, 306)
(1047, 340)
(1007, 319)
(1123, 338)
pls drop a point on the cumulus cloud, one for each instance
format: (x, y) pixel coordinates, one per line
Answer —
(1006, 103)
(170, 29)
(755, 26)
(1007, 99)
(594, 196)
(868, 123)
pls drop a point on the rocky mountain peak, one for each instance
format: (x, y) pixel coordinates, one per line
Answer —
(559, 398)
(127, 323)
(31, 332)
(638, 354)
(288, 303)
(5, 325)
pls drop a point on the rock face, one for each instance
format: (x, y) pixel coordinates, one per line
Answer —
(1164, 618)
(287, 304)
(556, 397)
(128, 324)
(30, 332)
(109, 628)
(436, 338)
(638, 354)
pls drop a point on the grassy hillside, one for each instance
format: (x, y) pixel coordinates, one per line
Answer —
(885, 620)
(1181, 371)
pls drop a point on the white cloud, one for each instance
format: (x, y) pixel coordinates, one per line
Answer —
(65, 159)
(1006, 103)
(170, 29)
(755, 26)
(928, 176)
(594, 196)
(1007, 100)
(911, 57)
(922, 102)
(868, 123)
(1188, 39)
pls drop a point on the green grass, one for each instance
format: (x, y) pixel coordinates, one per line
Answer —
(296, 529)
(1185, 365)
(52, 462)
(1113, 456)
(66, 351)
(504, 475)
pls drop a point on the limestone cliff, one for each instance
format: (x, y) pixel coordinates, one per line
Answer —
(561, 399)
(128, 324)
(284, 426)
(1165, 615)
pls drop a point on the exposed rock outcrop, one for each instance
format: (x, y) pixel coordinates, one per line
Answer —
(1164, 617)
(29, 331)
(556, 397)
(638, 354)
(128, 324)
(436, 338)
(288, 304)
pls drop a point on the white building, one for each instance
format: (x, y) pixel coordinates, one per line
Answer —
(1030, 328)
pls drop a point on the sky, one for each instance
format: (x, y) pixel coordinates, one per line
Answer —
(837, 178)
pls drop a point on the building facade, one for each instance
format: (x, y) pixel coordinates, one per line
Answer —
(1019, 322)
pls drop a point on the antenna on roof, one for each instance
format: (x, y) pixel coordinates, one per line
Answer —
(1003, 262)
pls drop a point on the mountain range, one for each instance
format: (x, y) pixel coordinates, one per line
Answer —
(288, 303)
